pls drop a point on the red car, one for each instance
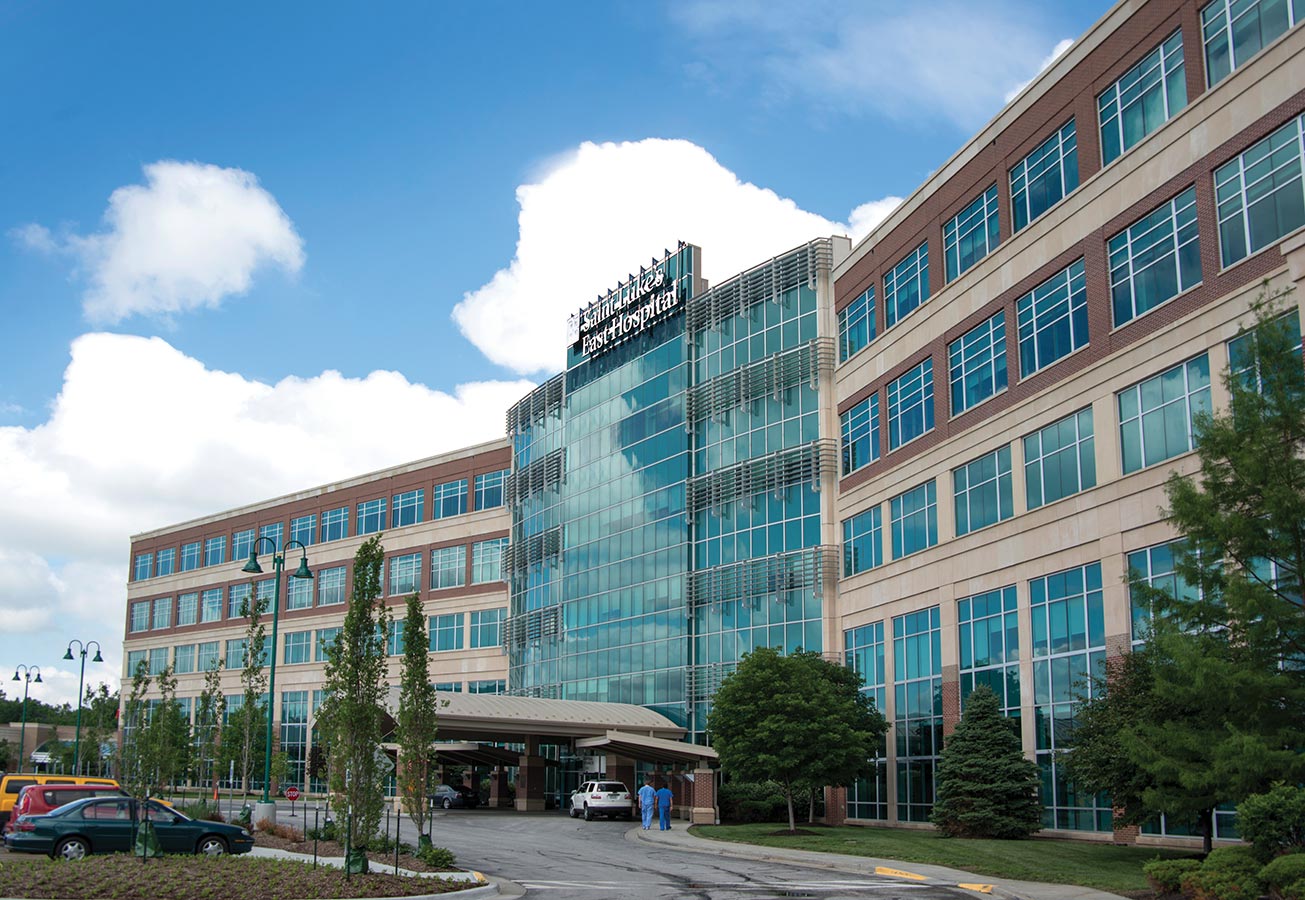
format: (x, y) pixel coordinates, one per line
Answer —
(39, 799)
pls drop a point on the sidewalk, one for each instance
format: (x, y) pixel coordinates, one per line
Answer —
(679, 838)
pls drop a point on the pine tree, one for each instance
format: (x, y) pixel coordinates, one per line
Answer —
(418, 719)
(986, 787)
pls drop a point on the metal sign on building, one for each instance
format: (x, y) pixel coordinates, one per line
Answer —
(626, 311)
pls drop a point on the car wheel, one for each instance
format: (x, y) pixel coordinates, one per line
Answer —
(212, 846)
(573, 812)
(589, 813)
(448, 804)
(72, 848)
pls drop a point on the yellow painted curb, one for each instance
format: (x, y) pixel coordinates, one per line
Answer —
(981, 888)
(898, 873)
(480, 878)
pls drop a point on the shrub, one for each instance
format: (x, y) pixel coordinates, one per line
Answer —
(202, 809)
(1274, 822)
(1166, 875)
(383, 843)
(288, 832)
(327, 832)
(743, 802)
(1228, 873)
(1284, 871)
(436, 856)
(1294, 891)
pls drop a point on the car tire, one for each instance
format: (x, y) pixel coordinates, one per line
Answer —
(589, 813)
(72, 848)
(211, 845)
(448, 804)
(573, 812)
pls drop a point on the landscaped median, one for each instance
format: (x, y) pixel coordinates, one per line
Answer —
(1106, 867)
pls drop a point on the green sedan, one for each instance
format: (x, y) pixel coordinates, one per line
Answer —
(109, 825)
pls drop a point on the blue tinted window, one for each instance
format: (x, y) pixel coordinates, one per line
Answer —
(860, 434)
(977, 364)
(910, 405)
(906, 285)
(915, 520)
(1040, 180)
(1053, 319)
(971, 234)
(856, 325)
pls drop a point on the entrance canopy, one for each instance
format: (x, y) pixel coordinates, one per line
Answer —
(651, 749)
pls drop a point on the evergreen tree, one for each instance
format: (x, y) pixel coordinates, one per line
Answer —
(417, 721)
(986, 787)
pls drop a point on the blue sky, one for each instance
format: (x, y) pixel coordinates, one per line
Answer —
(229, 233)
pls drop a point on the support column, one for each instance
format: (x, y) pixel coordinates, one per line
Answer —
(499, 797)
(530, 778)
(835, 806)
(704, 810)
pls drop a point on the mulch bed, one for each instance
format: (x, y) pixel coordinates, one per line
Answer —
(334, 848)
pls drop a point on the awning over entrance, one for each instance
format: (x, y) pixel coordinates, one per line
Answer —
(651, 749)
(468, 753)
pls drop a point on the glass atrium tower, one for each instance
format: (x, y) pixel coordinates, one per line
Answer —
(671, 492)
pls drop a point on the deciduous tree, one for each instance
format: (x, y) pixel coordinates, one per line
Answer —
(417, 721)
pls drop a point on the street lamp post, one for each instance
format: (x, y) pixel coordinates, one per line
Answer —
(82, 648)
(27, 680)
(278, 566)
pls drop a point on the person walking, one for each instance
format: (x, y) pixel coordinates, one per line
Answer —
(647, 801)
(664, 798)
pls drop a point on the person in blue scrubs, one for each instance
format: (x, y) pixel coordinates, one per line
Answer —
(664, 799)
(647, 800)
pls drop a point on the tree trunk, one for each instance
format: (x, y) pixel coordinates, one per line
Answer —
(1207, 831)
(788, 795)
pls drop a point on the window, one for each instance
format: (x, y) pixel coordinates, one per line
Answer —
(1053, 319)
(863, 653)
(1154, 567)
(297, 646)
(335, 524)
(304, 529)
(1155, 258)
(407, 508)
(856, 325)
(1060, 460)
(487, 560)
(330, 586)
(490, 686)
(405, 574)
(158, 660)
(394, 638)
(325, 639)
(1236, 30)
(449, 499)
(452, 687)
(190, 556)
(162, 613)
(990, 646)
(1040, 180)
(977, 363)
(273, 533)
(241, 543)
(972, 234)
(1242, 360)
(187, 609)
(983, 491)
(906, 285)
(448, 567)
(235, 655)
(860, 426)
(140, 616)
(1148, 95)
(489, 489)
(1155, 417)
(206, 655)
(183, 659)
(298, 593)
(371, 516)
(134, 660)
(215, 551)
(914, 520)
(238, 595)
(1259, 195)
(910, 405)
(918, 715)
(210, 609)
(446, 632)
(166, 562)
(863, 541)
(486, 627)
(263, 594)
(144, 565)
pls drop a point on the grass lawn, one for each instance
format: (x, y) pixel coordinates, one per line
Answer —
(1102, 866)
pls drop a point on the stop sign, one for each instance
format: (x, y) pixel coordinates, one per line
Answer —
(292, 794)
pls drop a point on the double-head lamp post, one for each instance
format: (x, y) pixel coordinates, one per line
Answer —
(27, 680)
(82, 649)
(278, 565)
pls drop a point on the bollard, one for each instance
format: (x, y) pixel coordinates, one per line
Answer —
(316, 833)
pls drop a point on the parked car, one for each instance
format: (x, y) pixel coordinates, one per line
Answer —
(454, 796)
(39, 799)
(12, 784)
(602, 798)
(109, 824)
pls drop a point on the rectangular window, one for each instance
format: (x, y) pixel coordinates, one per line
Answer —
(448, 567)
(1060, 460)
(188, 609)
(487, 560)
(298, 593)
(914, 516)
(206, 655)
(1155, 258)
(325, 638)
(407, 508)
(162, 613)
(371, 516)
(452, 687)
(241, 543)
(1053, 319)
(906, 285)
(1148, 95)
(238, 595)
(134, 660)
(489, 686)
(486, 627)
(489, 489)
(1043, 178)
(863, 653)
(990, 646)
(1153, 567)
(983, 491)
(856, 325)
(298, 645)
(971, 234)
(405, 574)
(144, 566)
(449, 499)
(304, 529)
(1155, 417)
(140, 616)
(394, 638)
(190, 556)
(235, 655)
(166, 563)
(1242, 355)
(273, 533)
(330, 586)
(910, 405)
(335, 524)
(158, 660)
(863, 541)
(918, 716)
(1236, 30)
(977, 364)
(210, 609)
(446, 632)
(183, 659)
(1259, 196)
(215, 551)
(860, 427)
(263, 594)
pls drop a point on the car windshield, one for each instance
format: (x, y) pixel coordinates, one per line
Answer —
(611, 787)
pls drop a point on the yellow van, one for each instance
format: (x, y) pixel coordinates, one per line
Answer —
(10, 785)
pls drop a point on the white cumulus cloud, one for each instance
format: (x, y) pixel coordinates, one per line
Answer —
(1061, 46)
